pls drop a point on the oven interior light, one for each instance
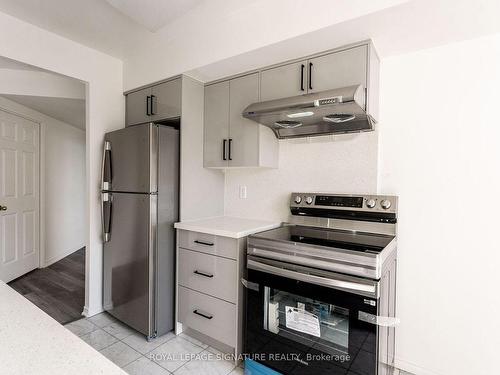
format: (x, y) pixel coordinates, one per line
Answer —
(300, 114)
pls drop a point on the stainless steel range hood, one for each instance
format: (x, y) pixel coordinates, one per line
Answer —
(327, 112)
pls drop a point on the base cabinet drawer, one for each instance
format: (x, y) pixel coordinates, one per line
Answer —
(208, 274)
(208, 243)
(208, 315)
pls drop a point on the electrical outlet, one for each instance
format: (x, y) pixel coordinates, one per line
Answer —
(243, 192)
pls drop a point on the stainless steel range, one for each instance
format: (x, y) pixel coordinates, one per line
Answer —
(321, 288)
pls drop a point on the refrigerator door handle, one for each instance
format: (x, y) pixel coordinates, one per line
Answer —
(106, 173)
(106, 209)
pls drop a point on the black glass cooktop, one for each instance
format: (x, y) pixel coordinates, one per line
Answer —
(339, 239)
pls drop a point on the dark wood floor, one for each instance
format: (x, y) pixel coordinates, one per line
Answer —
(58, 289)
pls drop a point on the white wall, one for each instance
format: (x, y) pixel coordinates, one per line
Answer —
(201, 189)
(40, 83)
(439, 151)
(348, 164)
(63, 148)
(62, 184)
(219, 29)
(29, 44)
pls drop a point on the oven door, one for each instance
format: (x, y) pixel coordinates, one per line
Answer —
(302, 321)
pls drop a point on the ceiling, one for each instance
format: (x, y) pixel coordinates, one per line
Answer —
(118, 27)
(409, 26)
(154, 14)
(94, 23)
(109, 26)
(65, 107)
(216, 38)
(69, 111)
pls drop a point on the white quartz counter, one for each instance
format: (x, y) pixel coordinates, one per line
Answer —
(227, 226)
(31, 342)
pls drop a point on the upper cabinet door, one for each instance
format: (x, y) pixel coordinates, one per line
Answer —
(166, 100)
(216, 124)
(137, 111)
(243, 146)
(284, 81)
(338, 69)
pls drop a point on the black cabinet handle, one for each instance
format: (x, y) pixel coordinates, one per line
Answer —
(310, 76)
(224, 149)
(203, 315)
(204, 243)
(148, 113)
(153, 105)
(229, 148)
(203, 274)
(302, 66)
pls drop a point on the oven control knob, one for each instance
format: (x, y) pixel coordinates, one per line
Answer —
(370, 203)
(309, 200)
(385, 204)
(298, 199)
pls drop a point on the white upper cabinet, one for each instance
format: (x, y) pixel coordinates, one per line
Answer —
(243, 134)
(252, 145)
(159, 102)
(284, 81)
(357, 65)
(216, 127)
(166, 100)
(137, 111)
(339, 69)
(232, 141)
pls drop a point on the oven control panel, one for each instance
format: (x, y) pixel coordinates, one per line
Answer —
(338, 201)
(367, 203)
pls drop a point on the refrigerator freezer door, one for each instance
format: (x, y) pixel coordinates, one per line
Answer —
(130, 159)
(128, 260)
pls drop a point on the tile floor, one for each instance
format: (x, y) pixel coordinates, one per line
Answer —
(169, 354)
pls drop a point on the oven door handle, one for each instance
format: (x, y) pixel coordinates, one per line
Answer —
(350, 286)
(249, 285)
(378, 320)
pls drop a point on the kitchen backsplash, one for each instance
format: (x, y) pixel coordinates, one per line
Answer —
(343, 164)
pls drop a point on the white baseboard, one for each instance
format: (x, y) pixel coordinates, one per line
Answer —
(412, 368)
(85, 311)
(88, 313)
(60, 256)
(178, 328)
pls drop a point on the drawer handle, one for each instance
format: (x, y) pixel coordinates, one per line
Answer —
(203, 315)
(203, 274)
(204, 243)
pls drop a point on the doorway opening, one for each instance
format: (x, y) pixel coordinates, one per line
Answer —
(43, 188)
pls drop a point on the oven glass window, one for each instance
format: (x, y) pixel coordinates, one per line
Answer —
(317, 324)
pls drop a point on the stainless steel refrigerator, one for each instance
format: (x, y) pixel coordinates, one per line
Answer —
(140, 190)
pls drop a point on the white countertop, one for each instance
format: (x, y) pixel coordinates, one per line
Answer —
(228, 226)
(31, 342)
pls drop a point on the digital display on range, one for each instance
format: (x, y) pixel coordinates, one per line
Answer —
(329, 200)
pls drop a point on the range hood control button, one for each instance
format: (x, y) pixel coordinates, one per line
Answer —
(309, 200)
(385, 204)
(370, 203)
(298, 199)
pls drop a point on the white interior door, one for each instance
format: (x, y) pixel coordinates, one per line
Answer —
(19, 196)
